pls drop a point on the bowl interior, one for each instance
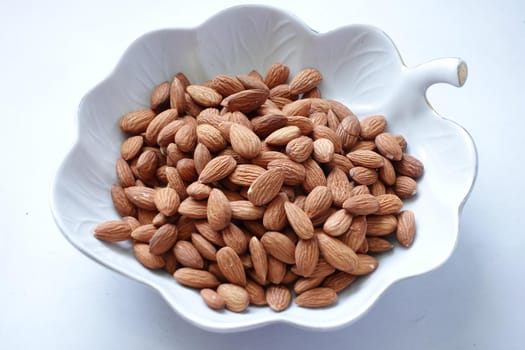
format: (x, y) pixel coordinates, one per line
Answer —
(361, 68)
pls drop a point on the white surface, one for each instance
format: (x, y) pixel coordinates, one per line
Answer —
(360, 66)
(53, 297)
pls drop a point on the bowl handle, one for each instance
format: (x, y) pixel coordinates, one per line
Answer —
(451, 70)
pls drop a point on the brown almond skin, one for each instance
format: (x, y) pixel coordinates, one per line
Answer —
(279, 246)
(300, 222)
(305, 80)
(306, 256)
(388, 146)
(378, 245)
(276, 270)
(113, 231)
(246, 101)
(317, 297)
(235, 238)
(219, 210)
(318, 201)
(259, 258)
(276, 74)
(278, 297)
(146, 258)
(160, 97)
(121, 201)
(337, 253)
(338, 223)
(187, 255)
(406, 228)
(264, 189)
(142, 197)
(339, 281)
(231, 266)
(409, 166)
(163, 239)
(361, 204)
(256, 292)
(244, 141)
(195, 278)
(372, 126)
(236, 298)
(363, 176)
(274, 218)
(212, 299)
(217, 169)
(388, 204)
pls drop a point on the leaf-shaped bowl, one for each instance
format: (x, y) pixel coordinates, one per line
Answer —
(361, 67)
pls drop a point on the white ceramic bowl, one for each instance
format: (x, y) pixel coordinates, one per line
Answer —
(361, 67)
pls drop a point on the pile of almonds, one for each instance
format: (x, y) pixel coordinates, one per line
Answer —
(249, 188)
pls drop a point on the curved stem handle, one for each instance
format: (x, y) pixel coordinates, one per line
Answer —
(452, 71)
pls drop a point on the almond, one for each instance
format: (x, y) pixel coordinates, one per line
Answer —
(341, 162)
(177, 92)
(276, 270)
(187, 255)
(406, 228)
(231, 266)
(278, 297)
(314, 175)
(300, 149)
(244, 141)
(132, 222)
(387, 174)
(160, 96)
(388, 204)
(207, 232)
(167, 201)
(218, 210)
(204, 96)
(378, 245)
(306, 283)
(193, 209)
(210, 137)
(274, 218)
(245, 101)
(142, 197)
(121, 202)
(158, 123)
(303, 123)
(337, 253)
(279, 246)
(186, 137)
(256, 293)
(282, 136)
(299, 221)
(338, 223)
(377, 188)
(186, 169)
(367, 264)
(380, 225)
(236, 298)
(317, 297)
(363, 176)
(212, 299)
(405, 187)
(198, 191)
(365, 158)
(226, 85)
(131, 147)
(251, 82)
(149, 260)
(409, 166)
(323, 150)
(282, 90)
(388, 146)
(277, 74)
(146, 165)
(163, 239)
(218, 168)
(332, 121)
(206, 249)
(294, 173)
(363, 145)
(235, 238)
(124, 173)
(266, 157)
(137, 121)
(245, 174)
(339, 281)
(266, 187)
(324, 132)
(245, 210)
(299, 107)
(144, 232)
(372, 126)
(340, 186)
(259, 258)
(113, 231)
(318, 201)
(357, 233)
(319, 118)
(266, 124)
(361, 204)
(195, 278)
(305, 80)
(306, 256)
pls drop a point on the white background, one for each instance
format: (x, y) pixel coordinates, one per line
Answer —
(52, 297)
